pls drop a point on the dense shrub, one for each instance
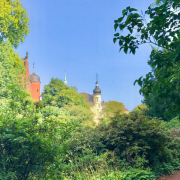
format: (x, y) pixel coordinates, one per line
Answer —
(132, 174)
(141, 141)
(52, 110)
(29, 147)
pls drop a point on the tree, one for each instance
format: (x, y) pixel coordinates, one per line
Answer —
(52, 111)
(30, 148)
(52, 89)
(11, 76)
(80, 114)
(140, 141)
(14, 23)
(163, 31)
(113, 107)
(58, 94)
(69, 96)
(140, 107)
(159, 2)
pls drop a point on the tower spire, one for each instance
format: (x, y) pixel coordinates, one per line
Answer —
(97, 84)
(27, 55)
(65, 81)
(33, 67)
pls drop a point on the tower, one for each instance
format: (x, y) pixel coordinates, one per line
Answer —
(26, 64)
(27, 83)
(35, 85)
(65, 81)
(97, 101)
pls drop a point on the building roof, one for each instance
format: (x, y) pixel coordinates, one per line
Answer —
(97, 90)
(89, 100)
(34, 77)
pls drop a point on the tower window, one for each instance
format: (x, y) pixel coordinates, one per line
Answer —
(99, 105)
(96, 98)
(37, 90)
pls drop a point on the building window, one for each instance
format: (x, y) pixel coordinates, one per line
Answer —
(99, 105)
(37, 90)
(96, 98)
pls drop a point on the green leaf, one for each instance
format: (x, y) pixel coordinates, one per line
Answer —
(124, 12)
(130, 29)
(135, 15)
(121, 26)
(115, 26)
(120, 19)
(127, 8)
(133, 50)
(117, 34)
(120, 42)
(114, 40)
(125, 49)
(132, 9)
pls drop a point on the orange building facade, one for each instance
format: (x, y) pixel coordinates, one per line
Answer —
(33, 83)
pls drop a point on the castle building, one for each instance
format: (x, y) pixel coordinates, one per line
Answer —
(95, 100)
(33, 83)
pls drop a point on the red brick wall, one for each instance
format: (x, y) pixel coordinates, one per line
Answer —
(35, 91)
(33, 87)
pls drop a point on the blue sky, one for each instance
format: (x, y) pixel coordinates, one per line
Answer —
(76, 36)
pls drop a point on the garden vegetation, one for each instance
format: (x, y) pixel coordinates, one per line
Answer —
(57, 139)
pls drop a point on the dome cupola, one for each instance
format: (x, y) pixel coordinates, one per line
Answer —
(97, 91)
(34, 77)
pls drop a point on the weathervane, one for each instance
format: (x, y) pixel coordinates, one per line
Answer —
(97, 77)
(33, 67)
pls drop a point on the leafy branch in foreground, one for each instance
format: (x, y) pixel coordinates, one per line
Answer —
(160, 31)
(163, 31)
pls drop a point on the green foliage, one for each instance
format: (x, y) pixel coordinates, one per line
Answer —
(162, 31)
(56, 93)
(40, 104)
(52, 111)
(162, 18)
(80, 114)
(51, 90)
(14, 23)
(134, 174)
(157, 107)
(11, 76)
(113, 107)
(140, 107)
(159, 2)
(160, 88)
(173, 123)
(71, 113)
(29, 146)
(69, 96)
(135, 136)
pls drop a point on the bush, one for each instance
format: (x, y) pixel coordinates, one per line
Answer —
(52, 110)
(132, 174)
(140, 140)
(173, 123)
(29, 148)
